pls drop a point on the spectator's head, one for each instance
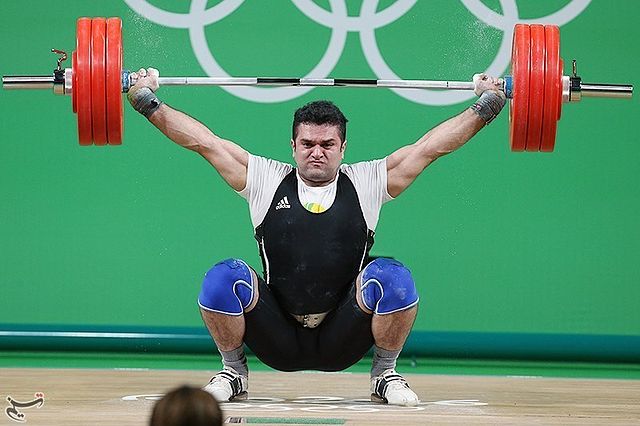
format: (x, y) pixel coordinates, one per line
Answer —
(186, 406)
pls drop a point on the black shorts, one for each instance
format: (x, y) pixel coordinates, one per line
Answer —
(281, 342)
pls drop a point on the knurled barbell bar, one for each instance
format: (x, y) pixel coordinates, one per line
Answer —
(536, 87)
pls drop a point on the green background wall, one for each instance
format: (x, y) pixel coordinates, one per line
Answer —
(498, 242)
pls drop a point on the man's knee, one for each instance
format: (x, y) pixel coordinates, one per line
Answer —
(387, 287)
(227, 288)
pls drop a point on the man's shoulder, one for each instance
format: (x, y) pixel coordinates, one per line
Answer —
(361, 166)
(266, 163)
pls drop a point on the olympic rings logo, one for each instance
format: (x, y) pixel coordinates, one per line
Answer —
(340, 24)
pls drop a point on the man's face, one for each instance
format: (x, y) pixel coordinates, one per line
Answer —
(318, 152)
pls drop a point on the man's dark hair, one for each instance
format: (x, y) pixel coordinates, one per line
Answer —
(320, 112)
(186, 406)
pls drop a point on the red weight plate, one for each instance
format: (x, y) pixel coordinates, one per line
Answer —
(536, 87)
(98, 94)
(552, 88)
(74, 85)
(114, 81)
(83, 80)
(519, 103)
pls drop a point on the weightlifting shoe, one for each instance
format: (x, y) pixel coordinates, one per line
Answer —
(391, 388)
(228, 385)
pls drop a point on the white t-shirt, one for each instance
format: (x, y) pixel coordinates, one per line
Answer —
(264, 175)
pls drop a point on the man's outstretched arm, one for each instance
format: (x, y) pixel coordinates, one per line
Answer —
(405, 164)
(230, 160)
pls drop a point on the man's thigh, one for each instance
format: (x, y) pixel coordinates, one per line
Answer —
(345, 335)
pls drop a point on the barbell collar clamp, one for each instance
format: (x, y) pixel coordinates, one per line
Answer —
(59, 79)
(575, 88)
(68, 81)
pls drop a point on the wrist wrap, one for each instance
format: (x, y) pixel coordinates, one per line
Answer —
(144, 101)
(488, 105)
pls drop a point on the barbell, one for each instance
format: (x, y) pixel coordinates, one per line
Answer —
(536, 88)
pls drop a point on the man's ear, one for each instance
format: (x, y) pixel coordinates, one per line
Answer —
(343, 148)
(293, 147)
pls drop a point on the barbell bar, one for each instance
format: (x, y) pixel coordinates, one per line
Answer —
(536, 87)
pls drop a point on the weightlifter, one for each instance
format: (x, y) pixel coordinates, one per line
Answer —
(321, 303)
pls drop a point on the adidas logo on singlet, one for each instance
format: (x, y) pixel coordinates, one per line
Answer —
(283, 204)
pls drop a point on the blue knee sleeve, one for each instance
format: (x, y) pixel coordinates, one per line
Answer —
(227, 288)
(387, 287)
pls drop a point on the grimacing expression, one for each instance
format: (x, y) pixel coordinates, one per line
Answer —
(318, 152)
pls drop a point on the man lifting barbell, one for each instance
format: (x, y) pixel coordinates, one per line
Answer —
(321, 303)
